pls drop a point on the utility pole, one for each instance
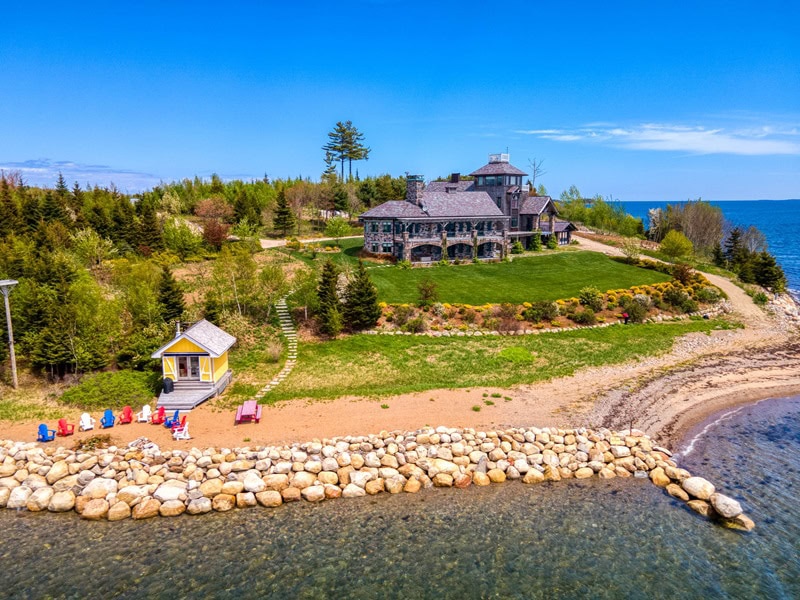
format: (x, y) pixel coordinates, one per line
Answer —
(5, 289)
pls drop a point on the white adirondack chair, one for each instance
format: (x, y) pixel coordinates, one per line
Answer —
(86, 422)
(181, 433)
(143, 416)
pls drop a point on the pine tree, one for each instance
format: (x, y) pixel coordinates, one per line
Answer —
(330, 313)
(149, 236)
(30, 213)
(536, 241)
(340, 197)
(170, 296)
(54, 208)
(361, 310)
(735, 252)
(717, 255)
(284, 219)
(552, 241)
(123, 224)
(768, 273)
(9, 214)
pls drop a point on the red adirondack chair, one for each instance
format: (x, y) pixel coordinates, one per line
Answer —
(179, 424)
(126, 416)
(65, 428)
(159, 417)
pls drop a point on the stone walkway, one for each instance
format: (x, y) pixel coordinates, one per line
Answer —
(289, 331)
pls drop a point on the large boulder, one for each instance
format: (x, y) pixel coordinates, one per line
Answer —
(699, 488)
(223, 502)
(119, 511)
(276, 482)
(100, 487)
(62, 501)
(59, 470)
(169, 493)
(19, 497)
(211, 487)
(146, 509)
(313, 493)
(351, 490)
(725, 506)
(253, 482)
(199, 506)
(269, 498)
(95, 510)
(39, 499)
(660, 478)
(171, 508)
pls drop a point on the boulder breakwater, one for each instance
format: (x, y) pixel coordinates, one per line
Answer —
(141, 481)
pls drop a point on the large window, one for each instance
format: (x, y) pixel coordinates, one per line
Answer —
(387, 248)
(376, 248)
(373, 227)
(514, 221)
(387, 227)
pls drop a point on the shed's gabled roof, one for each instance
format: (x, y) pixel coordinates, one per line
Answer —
(498, 168)
(438, 205)
(208, 336)
(535, 205)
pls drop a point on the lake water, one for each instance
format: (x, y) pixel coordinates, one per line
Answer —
(573, 539)
(779, 220)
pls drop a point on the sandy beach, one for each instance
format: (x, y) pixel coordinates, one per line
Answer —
(663, 395)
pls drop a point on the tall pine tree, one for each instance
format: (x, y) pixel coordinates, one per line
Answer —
(284, 219)
(149, 238)
(170, 296)
(9, 214)
(330, 308)
(361, 310)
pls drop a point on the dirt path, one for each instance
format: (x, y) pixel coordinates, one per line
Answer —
(266, 244)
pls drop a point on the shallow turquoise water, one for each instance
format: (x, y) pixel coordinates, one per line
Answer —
(579, 539)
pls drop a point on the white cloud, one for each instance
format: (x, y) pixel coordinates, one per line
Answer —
(751, 141)
(45, 172)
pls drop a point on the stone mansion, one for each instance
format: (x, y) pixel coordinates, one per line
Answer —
(476, 218)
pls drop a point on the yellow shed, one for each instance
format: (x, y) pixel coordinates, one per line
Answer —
(195, 365)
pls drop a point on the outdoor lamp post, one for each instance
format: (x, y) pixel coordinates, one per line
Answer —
(5, 288)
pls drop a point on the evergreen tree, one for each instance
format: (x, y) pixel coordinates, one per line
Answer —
(361, 310)
(30, 212)
(211, 309)
(717, 255)
(284, 219)
(149, 238)
(367, 192)
(170, 296)
(330, 313)
(345, 143)
(245, 206)
(54, 208)
(123, 224)
(735, 252)
(9, 214)
(340, 197)
(552, 241)
(536, 241)
(768, 273)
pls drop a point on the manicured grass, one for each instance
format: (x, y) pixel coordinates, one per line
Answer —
(377, 365)
(528, 279)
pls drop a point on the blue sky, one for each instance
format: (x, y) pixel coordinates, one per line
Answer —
(636, 100)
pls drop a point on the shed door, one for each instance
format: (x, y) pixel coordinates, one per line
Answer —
(169, 367)
(205, 368)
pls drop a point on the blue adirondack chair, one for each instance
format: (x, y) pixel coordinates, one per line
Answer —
(108, 419)
(170, 421)
(45, 434)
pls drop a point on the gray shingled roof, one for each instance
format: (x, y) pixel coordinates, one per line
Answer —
(438, 205)
(498, 168)
(206, 335)
(441, 186)
(534, 205)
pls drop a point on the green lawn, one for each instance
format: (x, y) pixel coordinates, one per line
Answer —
(379, 365)
(527, 279)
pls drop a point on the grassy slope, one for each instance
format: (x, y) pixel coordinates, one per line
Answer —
(543, 277)
(546, 276)
(372, 365)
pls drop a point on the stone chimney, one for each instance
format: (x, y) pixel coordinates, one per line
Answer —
(415, 185)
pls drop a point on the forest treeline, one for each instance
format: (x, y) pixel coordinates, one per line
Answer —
(94, 265)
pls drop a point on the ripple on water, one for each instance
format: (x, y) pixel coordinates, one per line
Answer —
(578, 539)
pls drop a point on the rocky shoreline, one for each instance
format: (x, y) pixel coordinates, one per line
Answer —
(140, 481)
